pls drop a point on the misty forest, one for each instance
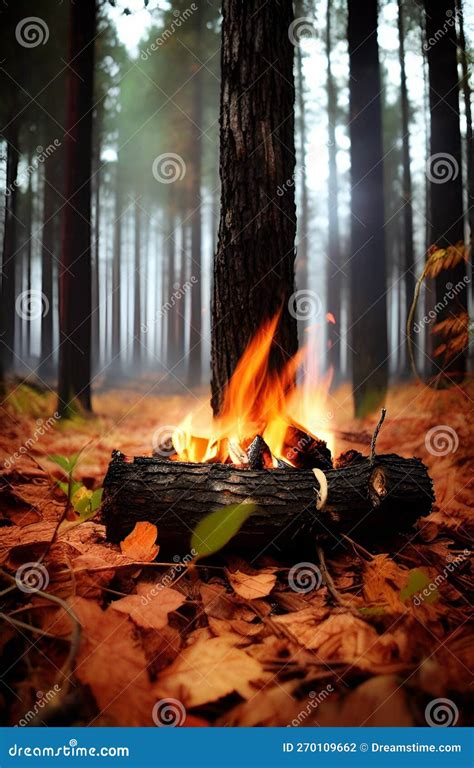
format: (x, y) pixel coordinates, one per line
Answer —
(236, 394)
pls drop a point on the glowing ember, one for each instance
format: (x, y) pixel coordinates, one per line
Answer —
(259, 401)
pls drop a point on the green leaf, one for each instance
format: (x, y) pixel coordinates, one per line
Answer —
(216, 529)
(96, 499)
(61, 461)
(417, 581)
(73, 459)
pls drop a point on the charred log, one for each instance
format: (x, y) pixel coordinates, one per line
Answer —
(383, 496)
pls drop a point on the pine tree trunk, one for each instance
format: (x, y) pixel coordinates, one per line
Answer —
(48, 249)
(302, 266)
(367, 263)
(28, 254)
(137, 309)
(195, 336)
(334, 287)
(169, 303)
(117, 273)
(7, 290)
(254, 263)
(75, 271)
(408, 264)
(469, 134)
(445, 172)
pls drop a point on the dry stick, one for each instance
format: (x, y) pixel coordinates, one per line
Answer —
(328, 580)
(376, 434)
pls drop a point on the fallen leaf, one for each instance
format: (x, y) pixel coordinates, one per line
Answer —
(140, 543)
(112, 663)
(251, 586)
(151, 606)
(208, 670)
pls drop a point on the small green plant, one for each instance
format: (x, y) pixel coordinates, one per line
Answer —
(82, 500)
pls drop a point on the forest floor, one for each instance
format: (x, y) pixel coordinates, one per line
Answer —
(229, 644)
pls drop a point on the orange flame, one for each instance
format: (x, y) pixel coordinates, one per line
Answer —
(258, 401)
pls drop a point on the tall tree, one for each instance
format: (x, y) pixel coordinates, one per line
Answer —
(7, 294)
(75, 270)
(334, 283)
(367, 264)
(408, 264)
(444, 172)
(467, 93)
(254, 263)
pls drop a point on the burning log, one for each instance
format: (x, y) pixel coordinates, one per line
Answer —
(259, 454)
(381, 495)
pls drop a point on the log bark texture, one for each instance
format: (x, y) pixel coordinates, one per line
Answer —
(380, 497)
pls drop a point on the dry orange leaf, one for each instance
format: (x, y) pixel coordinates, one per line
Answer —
(150, 607)
(140, 543)
(252, 586)
(208, 670)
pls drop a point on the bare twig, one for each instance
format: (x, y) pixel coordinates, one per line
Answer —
(376, 434)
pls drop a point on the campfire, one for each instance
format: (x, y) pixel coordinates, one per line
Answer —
(260, 424)
(260, 450)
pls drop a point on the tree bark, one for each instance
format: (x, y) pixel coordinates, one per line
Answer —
(254, 263)
(408, 264)
(333, 274)
(195, 332)
(137, 308)
(367, 263)
(48, 249)
(469, 134)
(75, 271)
(117, 273)
(388, 494)
(7, 290)
(445, 170)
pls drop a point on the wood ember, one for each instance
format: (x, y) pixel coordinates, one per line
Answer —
(305, 451)
(347, 457)
(259, 454)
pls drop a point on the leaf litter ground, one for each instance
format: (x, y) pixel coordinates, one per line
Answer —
(114, 631)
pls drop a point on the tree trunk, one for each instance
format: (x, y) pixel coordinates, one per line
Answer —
(302, 266)
(137, 308)
(367, 264)
(254, 263)
(7, 290)
(407, 266)
(28, 256)
(48, 249)
(95, 346)
(469, 134)
(75, 271)
(169, 301)
(444, 171)
(195, 335)
(117, 273)
(334, 283)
